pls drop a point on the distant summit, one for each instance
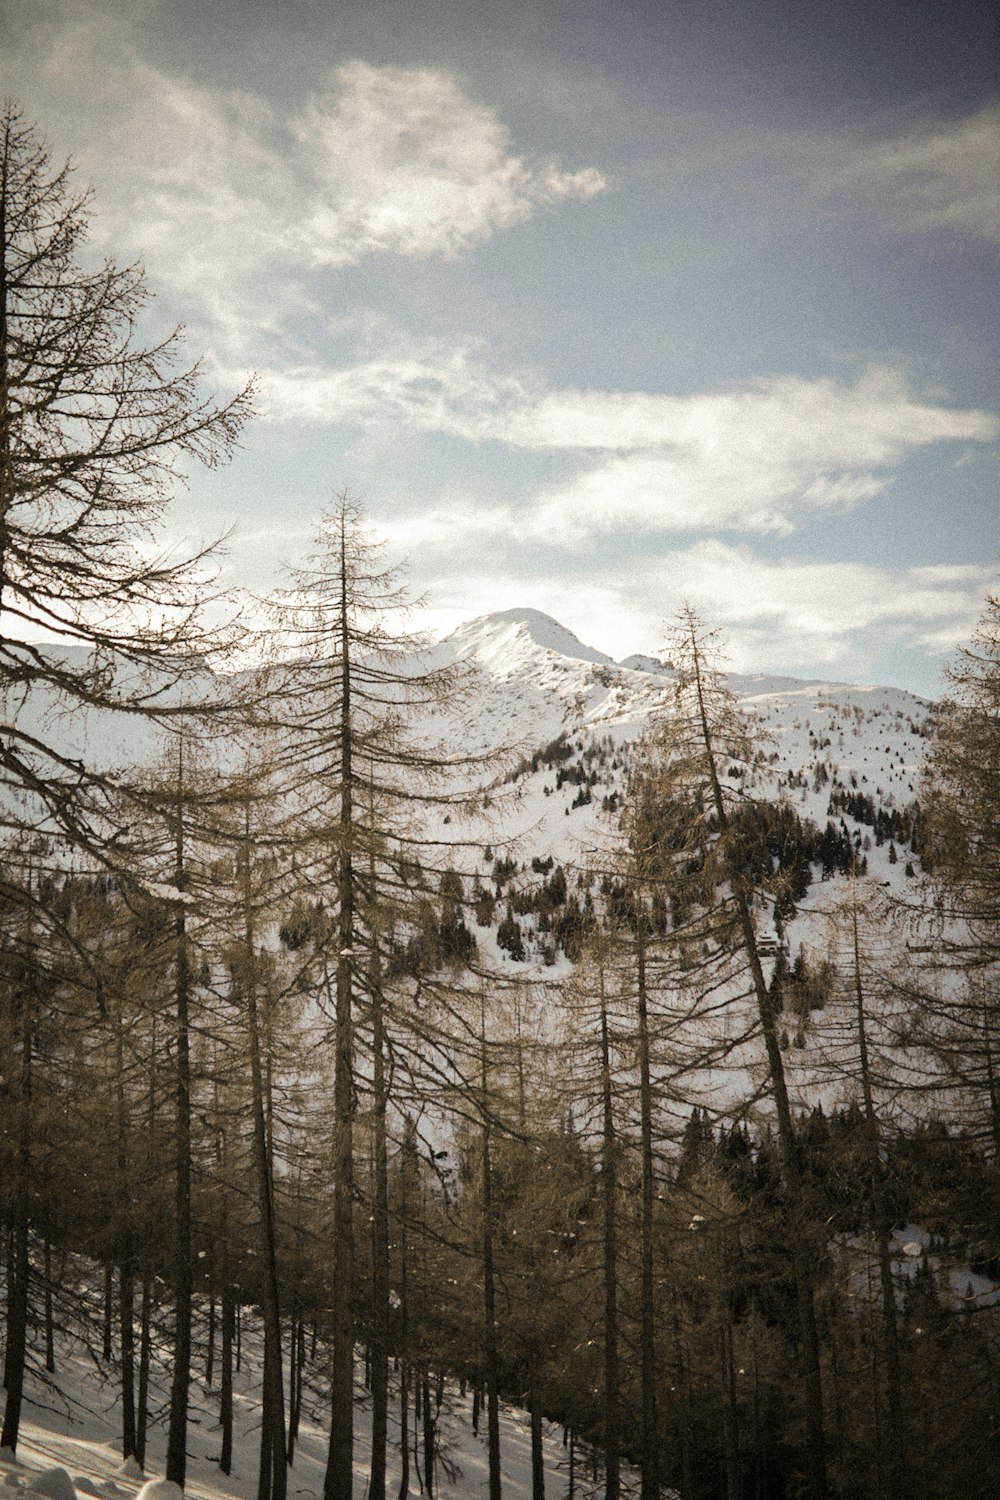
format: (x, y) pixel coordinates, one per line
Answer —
(502, 633)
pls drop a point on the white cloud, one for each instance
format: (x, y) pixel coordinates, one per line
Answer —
(434, 387)
(753, 459)
(801, 610)
(694, 490)
(817, 597)
(750, 459)
(221, 194)
(451, 528)
(943, 175)
(402, 160)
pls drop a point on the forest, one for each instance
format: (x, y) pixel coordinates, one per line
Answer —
(272, 1045)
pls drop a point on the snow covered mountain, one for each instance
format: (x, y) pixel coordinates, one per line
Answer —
(568, 715)
(534, 680)
(846, 758)
(538, 678)
(513, 634)
(572, 712)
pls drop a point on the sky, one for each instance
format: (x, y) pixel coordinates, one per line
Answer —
(593, 309)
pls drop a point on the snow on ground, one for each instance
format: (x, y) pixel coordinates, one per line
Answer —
(537, 683)
(534, 680)
(913, 1250)
(72, 1423)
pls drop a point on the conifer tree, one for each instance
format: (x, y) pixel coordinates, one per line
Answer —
(961, 853)
(96, 427)
(360, 784)
(962, 792)
(689, 837)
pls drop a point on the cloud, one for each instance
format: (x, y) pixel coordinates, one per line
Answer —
(453, 528)
(815, 598)
(693, 490)
(751, 459)
(401, 160)
(941, 176)
(435, 386)
(802, 614)
(222, 193)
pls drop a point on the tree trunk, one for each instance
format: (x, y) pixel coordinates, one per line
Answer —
(272, 1474)
(177, 1430)
(727, 1375)
(883, 1227)
(489, 1284)
(339, 1478)
(649, 1487)
(210, 1351)
(802, 1261)
(428, 1420)
(380, 1235)
(686, 1402)
(418, 1410)
(50, 1338)
(126, 1328)
(228, 1329)
(537, 1452)
(802, 1265)
(17, 1333)
(109, 1313)
(609, 1184)
(298, 1363)
(145, 1314)
(142, 1413)
(404, 1429)
(126, 1259)
(265, 1463)
(294, 1372)
(19, 1282)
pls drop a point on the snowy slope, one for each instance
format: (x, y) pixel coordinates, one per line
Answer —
(538, 687)
(536, 682)
(511, 636)
(533, 680)
(572, 718)
(72, 1421)
(104, 739)
(569, 717)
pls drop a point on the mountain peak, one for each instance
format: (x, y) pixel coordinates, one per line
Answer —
(508, 629)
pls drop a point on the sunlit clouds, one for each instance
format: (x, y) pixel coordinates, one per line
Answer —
(401, 161)
(747, 460)
(802, 616)
(222, 189)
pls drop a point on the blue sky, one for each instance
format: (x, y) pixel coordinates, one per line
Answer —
(593, 308)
